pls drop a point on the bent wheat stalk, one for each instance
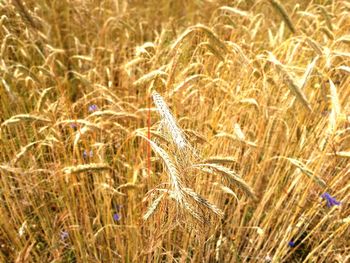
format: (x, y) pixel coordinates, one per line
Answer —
(232, 177)
(291, 83)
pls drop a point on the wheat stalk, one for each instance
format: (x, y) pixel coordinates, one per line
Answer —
(305, 171)
(336, 110)
(153, 207)
(85, 168)
(170, 122)
(171, 167)
(229, 174)
(282, 11)
(291, 83)
(24, 117)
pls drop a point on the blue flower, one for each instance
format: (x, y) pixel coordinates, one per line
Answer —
(291, 243)
(92, 108)
(85, 154)
(64, 235)
(116, 217)
(330, 200)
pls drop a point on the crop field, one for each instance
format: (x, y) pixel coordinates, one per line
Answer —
(175, 131)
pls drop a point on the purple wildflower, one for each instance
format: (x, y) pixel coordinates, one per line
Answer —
(330, 200)
(64, 235)
(92, 108)
(116, 217)
(85, 154)
(291, 243)
(73, 125)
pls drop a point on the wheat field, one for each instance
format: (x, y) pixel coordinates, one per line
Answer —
(174, 131)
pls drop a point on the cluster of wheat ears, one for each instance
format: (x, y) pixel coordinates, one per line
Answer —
(174, 131)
